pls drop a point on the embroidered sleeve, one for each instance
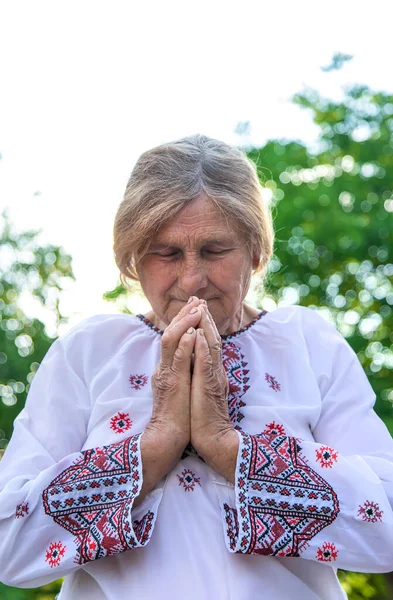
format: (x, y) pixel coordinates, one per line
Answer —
(328, 498)
(93, 497)
(61, 507)
(294, 498)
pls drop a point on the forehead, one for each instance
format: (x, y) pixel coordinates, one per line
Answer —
(200, 219)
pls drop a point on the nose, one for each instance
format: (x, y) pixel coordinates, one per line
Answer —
(192, 278)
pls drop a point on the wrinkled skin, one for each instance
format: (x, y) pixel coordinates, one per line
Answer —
(202, 256)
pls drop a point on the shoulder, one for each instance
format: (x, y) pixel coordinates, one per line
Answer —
(298, 315)
(312, 333)
(99, 336)
(311, 326)
(102, 325)
(302, 318)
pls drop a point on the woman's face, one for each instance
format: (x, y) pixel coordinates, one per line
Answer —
(198, 253)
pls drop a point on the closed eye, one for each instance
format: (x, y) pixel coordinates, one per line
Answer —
(174, 253)
(165, 254)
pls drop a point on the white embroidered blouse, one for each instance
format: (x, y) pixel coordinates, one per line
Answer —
(314, 475)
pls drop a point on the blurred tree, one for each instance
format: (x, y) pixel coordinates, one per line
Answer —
(46, 592)
(333, 217)
(334, 249)
(361, 586)
(26, 270)
(333, 213)
(338, 60)
(334, 221)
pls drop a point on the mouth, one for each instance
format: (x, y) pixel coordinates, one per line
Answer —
(185, 301)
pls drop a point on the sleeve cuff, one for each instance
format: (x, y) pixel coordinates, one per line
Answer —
(278, 503)
(93, 499)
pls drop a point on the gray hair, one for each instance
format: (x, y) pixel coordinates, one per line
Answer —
(169, 176)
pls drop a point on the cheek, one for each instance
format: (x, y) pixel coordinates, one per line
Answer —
(235, 273)
(156, 278)
(232, 283)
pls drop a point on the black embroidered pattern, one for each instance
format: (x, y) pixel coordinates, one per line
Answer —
(93, 498)
(149, 324)
(283, 502)
(229, 336)
(226, 338)
(235, 368)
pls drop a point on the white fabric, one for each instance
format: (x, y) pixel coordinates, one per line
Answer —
(196, 536)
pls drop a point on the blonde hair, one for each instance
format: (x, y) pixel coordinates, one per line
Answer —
(171, 175)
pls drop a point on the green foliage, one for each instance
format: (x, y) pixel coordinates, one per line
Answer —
(333, 215)
(36, 272)
(30, 271)
(337, 62)
(333, 218)
(46, 592)
(360, 586)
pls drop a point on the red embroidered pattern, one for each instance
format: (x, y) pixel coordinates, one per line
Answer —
(188, 480)
(149, 324)
(274, 429)
(93, 498)
(282, 501)
(232, 522)
(22, 510)
(55, 553)
(121, 422)
(327, 552)
(235, 368)
(234, 334)
(143, 527)
(227, 337)
(138, 381)
(272, 382)
(370, 511)
(326, 456)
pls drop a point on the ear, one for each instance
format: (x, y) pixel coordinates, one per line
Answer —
(256, 260)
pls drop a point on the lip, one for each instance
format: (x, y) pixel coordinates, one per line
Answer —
(185, 301)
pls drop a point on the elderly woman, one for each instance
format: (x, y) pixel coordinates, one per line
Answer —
(206, 450)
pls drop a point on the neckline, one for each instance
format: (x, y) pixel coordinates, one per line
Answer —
(224, 338)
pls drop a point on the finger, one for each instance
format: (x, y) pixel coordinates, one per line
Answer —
(173, 333)
(212, 336)
(182, 356)
(213, 324)
(192, 301)
(203, 357)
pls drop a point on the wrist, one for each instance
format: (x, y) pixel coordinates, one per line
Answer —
(166, 443)
(221, 454)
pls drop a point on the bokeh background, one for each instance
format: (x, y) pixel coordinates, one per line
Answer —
(305, 90)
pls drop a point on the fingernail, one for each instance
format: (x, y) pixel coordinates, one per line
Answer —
(190, 299)
(200, 331)
(190, 330)
(193, 310)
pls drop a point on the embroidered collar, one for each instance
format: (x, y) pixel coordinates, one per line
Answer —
(224, 338)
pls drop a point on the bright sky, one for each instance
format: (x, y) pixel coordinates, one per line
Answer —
(86, 86)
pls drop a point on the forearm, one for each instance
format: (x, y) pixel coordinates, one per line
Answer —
(159, 453)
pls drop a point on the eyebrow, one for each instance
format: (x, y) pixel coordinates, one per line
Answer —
(212, 242)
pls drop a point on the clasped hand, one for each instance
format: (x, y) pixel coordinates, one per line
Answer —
(190, 389)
